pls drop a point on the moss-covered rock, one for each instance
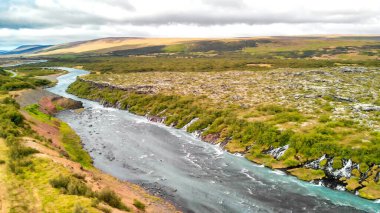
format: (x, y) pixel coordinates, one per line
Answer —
(371, 191)
(323, 163)
(352, 184)
(337, 163)
(307, 174)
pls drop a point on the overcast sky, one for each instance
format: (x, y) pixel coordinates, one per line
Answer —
(59, 21)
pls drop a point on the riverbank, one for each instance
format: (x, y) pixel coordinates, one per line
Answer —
(320, 171)
(51, 150)
(60, 135)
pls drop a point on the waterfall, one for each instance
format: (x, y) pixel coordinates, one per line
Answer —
(316, 163)
(278, 152)
(191, 122)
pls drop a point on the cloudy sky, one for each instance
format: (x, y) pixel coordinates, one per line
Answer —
(59, 21)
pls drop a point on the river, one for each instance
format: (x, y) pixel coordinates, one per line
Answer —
(195, 176)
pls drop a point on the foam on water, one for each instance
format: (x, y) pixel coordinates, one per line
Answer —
(278, 172)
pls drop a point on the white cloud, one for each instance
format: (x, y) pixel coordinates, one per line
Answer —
(56, 21)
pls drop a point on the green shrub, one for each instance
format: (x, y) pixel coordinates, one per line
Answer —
(272, 109)
(10, 101)
(289, 117)
(10, 86)
(289, 153)
(79, 209)
(324, 118)
(71, 185)
(337, 163)
(18, 151)
(60, 182)
(363, 167)
(104, 209)
(111, 198)
(139, 205)
(323, 163)
(291, 162)
(2, 72)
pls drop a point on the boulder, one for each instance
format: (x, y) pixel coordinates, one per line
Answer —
(366, 107)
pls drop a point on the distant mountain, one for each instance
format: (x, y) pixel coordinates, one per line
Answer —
(138, 46)
(112, 44)
(124, 46)
(25, 49)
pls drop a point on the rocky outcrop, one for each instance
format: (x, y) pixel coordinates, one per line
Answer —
(139, 89)
(353, 69)
(211, 138)
(325, 163)
(278, 152)
(156, 119)
(343, 99)
(316, 164)
(366, 107)
(53, 104)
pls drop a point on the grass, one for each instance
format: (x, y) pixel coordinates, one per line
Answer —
(34, 111)
(278, 47)
(74, 186)
(138, 204)
(353, 184)
(31, 191)
(175, 48)
(35, 71)
(73, 146)
(371, 191)
(307, 174)
(69, 139)
(51, 198)
(111, 198)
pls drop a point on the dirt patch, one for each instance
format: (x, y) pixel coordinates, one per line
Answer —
(50, 132)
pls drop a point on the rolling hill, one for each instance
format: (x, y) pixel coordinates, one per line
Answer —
(25, 49)
(260, 47)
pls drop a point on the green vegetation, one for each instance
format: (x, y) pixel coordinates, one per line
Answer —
(27, 71)
(73, 146)
(199, 64)
(69, 138)
(71, 185)
(26, 177)
(307, 174)
(337, 163)
(138, 204)
(9, 84)
(74, 186)
(110, 197)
